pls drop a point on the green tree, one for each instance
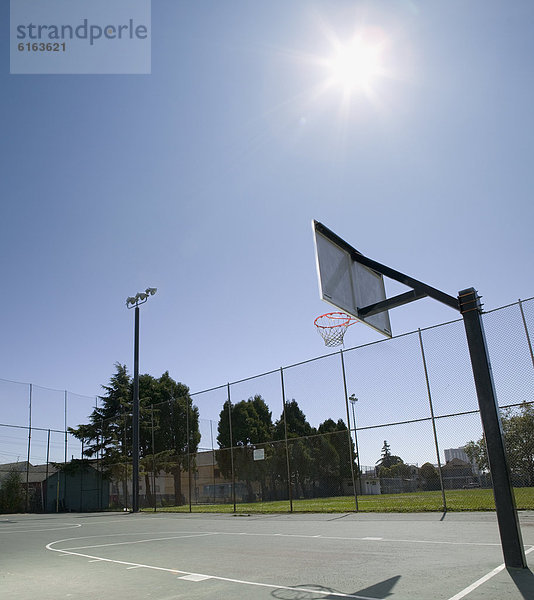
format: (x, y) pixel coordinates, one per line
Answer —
(251, 426)
(476, 451)
(387, 461)
(11, 493)
(108, 433)
(174, 415)
(429, 477)
(337, 436)
(518, 429)
(299, 446)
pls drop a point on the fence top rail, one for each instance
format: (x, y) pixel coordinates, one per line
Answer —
(33, 428)
(315, 358)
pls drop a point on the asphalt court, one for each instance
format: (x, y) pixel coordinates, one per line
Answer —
(428, 556)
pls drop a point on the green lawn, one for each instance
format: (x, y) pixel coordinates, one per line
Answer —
(457, 500)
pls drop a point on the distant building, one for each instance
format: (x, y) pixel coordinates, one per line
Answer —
(33, 475)
(457, 474)
(459, 453)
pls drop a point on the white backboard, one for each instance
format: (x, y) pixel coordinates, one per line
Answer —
(348, 285)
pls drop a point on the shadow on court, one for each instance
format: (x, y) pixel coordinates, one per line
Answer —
(524, 580)
(379, 591)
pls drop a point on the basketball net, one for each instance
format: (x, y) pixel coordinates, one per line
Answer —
(332, 327)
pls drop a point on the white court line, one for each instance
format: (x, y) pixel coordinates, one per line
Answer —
(191, 576)
(356, 539)
(205, 576)
(195, 578)
(174, 537)
(482, 580)
(70, 526)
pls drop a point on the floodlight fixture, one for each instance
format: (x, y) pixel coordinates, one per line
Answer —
(140, 297)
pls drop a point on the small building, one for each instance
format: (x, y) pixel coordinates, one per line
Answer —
(370, 486)
(77, 487)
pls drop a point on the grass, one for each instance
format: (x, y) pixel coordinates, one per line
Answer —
(457, 500)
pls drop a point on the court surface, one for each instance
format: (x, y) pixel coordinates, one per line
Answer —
(427, 556)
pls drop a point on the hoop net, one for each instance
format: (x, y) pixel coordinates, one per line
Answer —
(332, 327)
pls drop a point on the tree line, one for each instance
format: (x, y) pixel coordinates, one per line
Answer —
(169, 437)
(518, 430)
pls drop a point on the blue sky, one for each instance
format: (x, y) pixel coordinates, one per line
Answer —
(202, 179)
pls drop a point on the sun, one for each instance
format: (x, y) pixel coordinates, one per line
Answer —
(355, 65)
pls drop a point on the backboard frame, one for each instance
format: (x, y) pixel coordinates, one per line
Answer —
(378, 305)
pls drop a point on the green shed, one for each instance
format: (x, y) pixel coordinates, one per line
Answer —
(76, 487)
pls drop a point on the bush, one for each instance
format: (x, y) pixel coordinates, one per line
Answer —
(11, 493)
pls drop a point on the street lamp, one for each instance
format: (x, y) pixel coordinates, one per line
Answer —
(353, 400)
(135, 302)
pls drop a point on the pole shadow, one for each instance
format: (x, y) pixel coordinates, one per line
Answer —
(524, 581)
(380, 591)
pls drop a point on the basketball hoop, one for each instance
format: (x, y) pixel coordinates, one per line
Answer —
(332, 327)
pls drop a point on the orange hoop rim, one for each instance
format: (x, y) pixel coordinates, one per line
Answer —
(345, 320)
(335, 327)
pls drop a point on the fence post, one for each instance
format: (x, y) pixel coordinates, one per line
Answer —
(231, 445)
(348, 430)
(212, 460)
(288, 466)
(433, 421)
(65, 458)
(29, 446)
(81, 478)
(100, 467)
(526, 331)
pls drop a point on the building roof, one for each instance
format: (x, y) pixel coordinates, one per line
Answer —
(36, 473)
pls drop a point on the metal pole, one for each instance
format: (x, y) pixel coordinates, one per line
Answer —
(188, 455)
(433, 422)
(81, 478)
(526, 331)
(29, 446)
(100, 481)
(351, 456)
(289, 486)
(231, 445)
(153, 457)
(511, 539)
(66, 454)
(45, 503)
(135, 419)
(353, 400)
(213, 458)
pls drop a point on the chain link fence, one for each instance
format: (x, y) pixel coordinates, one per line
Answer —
(388, 426)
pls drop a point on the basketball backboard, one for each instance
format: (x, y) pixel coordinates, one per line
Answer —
(347, 284)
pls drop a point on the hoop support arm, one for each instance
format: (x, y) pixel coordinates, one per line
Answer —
(418, 286)
(400, 300)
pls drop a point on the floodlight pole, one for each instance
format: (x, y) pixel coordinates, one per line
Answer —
(353, 400)
(135, 418)
(134, 302)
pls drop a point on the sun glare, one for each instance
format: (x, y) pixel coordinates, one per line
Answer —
(355, 65)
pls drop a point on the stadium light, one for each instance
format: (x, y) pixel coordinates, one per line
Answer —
(134, 302)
